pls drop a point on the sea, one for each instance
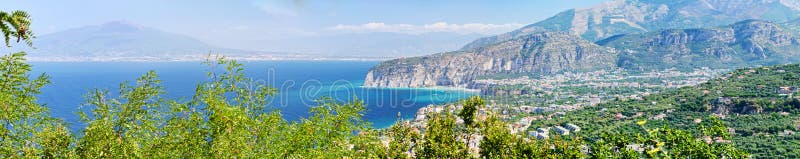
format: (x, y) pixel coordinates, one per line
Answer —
(299, 85)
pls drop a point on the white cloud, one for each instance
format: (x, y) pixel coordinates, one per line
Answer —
(467, 28)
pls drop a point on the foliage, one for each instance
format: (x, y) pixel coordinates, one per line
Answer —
(441, 139)
(470, 107)
(403, 140)
(16, 24)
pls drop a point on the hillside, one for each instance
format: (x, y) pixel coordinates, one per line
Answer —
(639, 16)
(544, 53)
(746, 43)
(760, 105)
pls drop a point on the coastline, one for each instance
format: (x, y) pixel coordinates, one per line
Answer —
(438, 88)
(416, 113)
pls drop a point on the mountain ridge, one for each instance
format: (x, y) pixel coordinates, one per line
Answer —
(638, 16)
(745, 43)
(562, 51)
(120, 40)
(749, 42)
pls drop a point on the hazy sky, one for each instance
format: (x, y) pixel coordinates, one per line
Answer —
(249, 24)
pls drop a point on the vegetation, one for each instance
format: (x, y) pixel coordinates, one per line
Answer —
(227, 118)
(759, 105)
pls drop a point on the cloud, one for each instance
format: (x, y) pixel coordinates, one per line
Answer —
(468, 28)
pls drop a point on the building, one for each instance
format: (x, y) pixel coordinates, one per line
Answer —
(786, 91)
(573, 127)
(533, 133)
(561, 130)
(537, 135)
(542, 130)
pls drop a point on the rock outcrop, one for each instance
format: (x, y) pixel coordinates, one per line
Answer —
(540, 53)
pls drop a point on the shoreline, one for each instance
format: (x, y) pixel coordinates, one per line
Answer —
(438, 88)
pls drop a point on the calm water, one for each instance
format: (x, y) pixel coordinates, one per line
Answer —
(299, 84)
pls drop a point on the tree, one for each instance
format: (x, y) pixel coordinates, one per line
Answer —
(16, 24)
(404, 140)
(497, 142)
(123, 127)
(26, 130)
(441, 138)
(470, 106)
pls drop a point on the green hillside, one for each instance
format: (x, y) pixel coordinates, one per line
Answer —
(759, 105)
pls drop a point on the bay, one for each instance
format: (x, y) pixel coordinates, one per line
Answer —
(299, 84)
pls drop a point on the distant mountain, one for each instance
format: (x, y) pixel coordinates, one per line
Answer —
(120, 40)
(544, 53)
(639, 16)
(750, 42)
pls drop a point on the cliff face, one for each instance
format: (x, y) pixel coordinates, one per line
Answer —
(541, 53)
(633, 37)
(748, 42)
(639, 16)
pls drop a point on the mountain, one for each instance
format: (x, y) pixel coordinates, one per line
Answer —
(750, 42)
(745, 43)
(544, 53)
(639, 16)
(118, 40)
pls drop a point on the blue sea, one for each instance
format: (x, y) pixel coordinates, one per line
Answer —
(299, 84)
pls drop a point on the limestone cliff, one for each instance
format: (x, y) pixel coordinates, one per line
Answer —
(539, 53)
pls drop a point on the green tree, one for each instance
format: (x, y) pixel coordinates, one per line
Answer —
(123, 127)
(26, 130)
(441, 138)
(403, 140)
(16, 24)
(470, 106)
(497, 142)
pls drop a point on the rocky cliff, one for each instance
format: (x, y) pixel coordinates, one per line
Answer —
(639, 16)
(632, 34)
(748, 42)
(541, 53)
(745, 43)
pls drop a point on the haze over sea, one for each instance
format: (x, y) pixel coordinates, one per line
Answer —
(299, 84)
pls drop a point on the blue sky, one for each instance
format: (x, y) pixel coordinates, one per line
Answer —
(253, 24)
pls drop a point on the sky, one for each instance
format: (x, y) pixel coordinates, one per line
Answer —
(314, 26)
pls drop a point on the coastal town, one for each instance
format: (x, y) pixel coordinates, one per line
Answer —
(522, 100)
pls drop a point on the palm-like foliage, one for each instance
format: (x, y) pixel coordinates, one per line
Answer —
(16, 24)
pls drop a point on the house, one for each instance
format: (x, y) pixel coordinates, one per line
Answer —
(561, 130)
(538, 135)
(542, 130)
(786, 90)
(533, 134)
(542, 136)
(573, 127)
